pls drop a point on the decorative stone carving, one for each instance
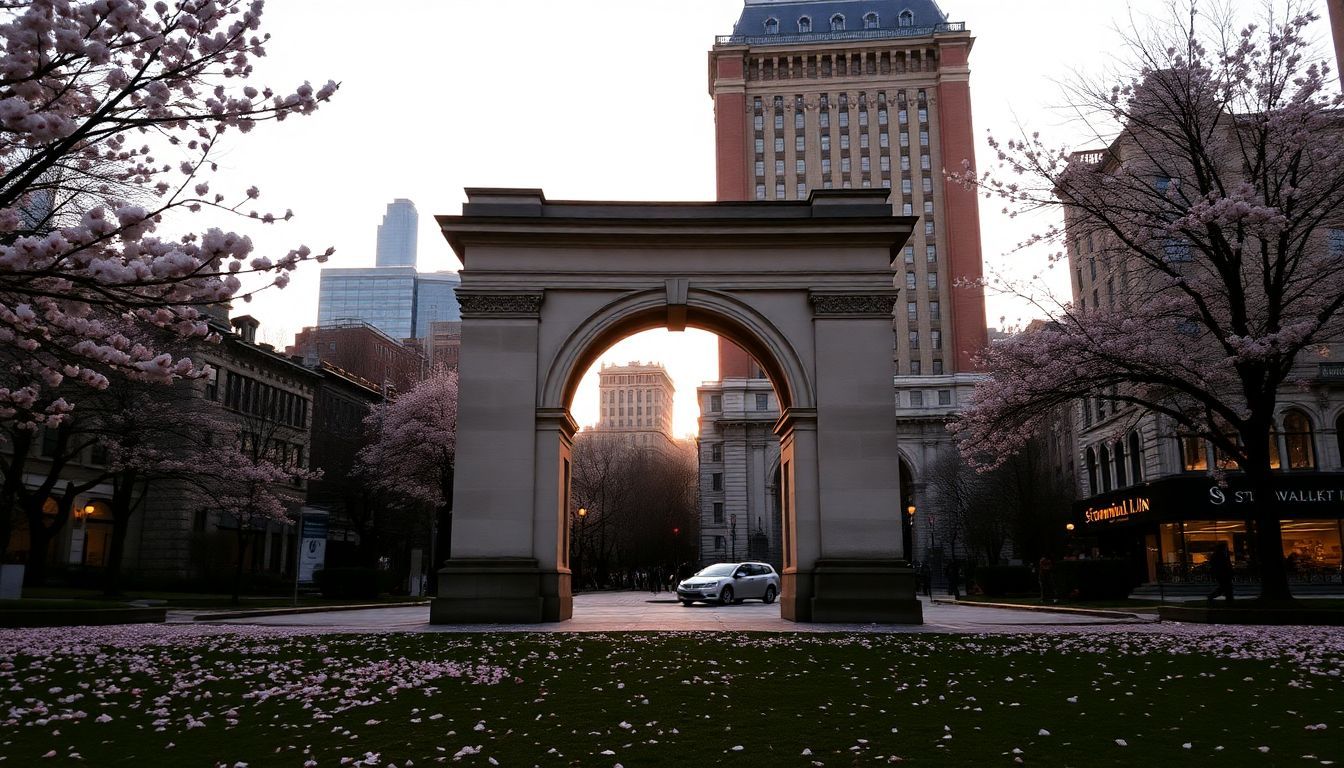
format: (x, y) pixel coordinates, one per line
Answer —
(831, 304)
(509, 304)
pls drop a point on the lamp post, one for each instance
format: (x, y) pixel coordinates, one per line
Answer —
(583, 515)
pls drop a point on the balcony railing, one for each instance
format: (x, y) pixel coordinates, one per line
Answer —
(851, 34)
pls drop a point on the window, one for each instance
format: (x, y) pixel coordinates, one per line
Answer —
(844, 118)
(928, 227)
(905, 139)
(1120, 481)
(772, 26)
(909, 254)
(844, 140)
(758, 122)
(923, 115)
(934, 311)
(917, 399)
(718, 512)
(802, 190)
(1193, 457)
(779, 144)
(910, 280)
(779, 191)
(1135, 458)
(884, 140)
(905, 162)
(800, 167)
(1297, 437)
(1092, 470)
(906, 19)
(937, 367)
(881, 117)
(716, 403)
(825, 142)
(826, 168)
(870, 21)
(866, 163)
(805, 24)
(914, 368)
(905, 187)
(923, 138)
(885, 164)
(933, 281)
(716, 481)
(936, 339)
(944, 397)
(779, 121)
(928, 185)
(931, 254)
(1105, 460)
(912, 311)
(798, 145)
(779, 167)
(1334, 242)
(924, 162)
(914, 339)
(762, 402)
(907, 209)
(760, 167)
(844, 165)
(760, 146)
(837, 23)
(718, 542)
(824, 119)
(863, 118)
(863, 141)
(760, 191)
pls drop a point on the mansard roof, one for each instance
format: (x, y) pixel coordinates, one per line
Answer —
(893, 17)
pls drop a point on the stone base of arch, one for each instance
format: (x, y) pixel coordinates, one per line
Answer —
(500, 590)
(852, 591)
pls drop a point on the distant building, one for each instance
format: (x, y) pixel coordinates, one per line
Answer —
(436, 300)
(383, 297)
(362, 351)
(636, 402)
(443, 345)
(397, 235)
(740, 514)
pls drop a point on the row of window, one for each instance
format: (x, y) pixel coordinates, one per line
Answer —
(912, 311)
(1115, 465)
(911, 282)
(870, 21)
(245, 394)
(935, 340)
(762, 402)
(1298, 441)
(632, 396)
(917, 399)
(917, 369)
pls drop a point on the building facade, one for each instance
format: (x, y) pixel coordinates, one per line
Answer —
(363, 351)
(443, 345)
(1165, 499)
(739, 472)
(853, 94)
(396, 300)
(398, 234)
(636, 403)
(436, 300)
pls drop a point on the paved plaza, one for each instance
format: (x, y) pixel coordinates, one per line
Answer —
(643, 612)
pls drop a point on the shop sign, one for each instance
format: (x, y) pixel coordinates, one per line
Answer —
(1122, 509)
(1220, 496)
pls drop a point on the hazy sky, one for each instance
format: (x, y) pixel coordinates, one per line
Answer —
(586, 99)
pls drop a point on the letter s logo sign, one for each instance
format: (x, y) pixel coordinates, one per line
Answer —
(1217, 496)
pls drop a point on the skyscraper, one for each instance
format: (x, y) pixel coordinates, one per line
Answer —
(397, 234)
(851, 94)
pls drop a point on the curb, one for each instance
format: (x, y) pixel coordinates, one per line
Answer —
(1098, 612)
(262, 612)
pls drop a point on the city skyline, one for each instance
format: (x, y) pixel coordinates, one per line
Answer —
(479, 137)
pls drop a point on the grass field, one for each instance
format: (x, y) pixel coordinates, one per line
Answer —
(1164, 695)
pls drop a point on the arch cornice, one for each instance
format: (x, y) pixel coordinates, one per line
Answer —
(711, 310)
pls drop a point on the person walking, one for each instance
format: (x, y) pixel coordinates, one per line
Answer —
(1220, 567)
(953, 574)
(1045, 574)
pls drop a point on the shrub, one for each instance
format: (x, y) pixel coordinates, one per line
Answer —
(1000, 580)
(1093, 579)
(344, 583)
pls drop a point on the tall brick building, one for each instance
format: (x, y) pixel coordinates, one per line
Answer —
(851, 94)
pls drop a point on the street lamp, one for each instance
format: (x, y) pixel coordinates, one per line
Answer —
(1068, 527)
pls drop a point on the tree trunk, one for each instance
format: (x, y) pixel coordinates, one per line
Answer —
(238, 566)
(123, 493)
(1269, 540)
(21, 442)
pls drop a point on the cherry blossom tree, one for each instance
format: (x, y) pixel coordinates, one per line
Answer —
(413, 448)
(111, 114)
(1209, 209)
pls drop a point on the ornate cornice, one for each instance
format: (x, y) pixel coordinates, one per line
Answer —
(500, 304)
(850, 305)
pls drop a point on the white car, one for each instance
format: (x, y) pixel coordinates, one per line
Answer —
(725, 583)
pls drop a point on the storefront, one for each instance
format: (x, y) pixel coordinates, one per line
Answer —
(1169, 528)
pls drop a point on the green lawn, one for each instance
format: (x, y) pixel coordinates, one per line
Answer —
(1164, 695)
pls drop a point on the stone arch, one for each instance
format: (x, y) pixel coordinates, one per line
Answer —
(804, 286)
(705, 309)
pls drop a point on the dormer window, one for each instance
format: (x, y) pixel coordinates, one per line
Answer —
(837, 23)
(906, 19)
(805, 24)
(870, 21)
(772, 26)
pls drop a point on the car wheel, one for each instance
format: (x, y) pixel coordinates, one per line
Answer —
(769, 594)
(726, 596)
(688, 603)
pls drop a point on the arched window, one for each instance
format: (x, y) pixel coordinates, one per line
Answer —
(906, 19)
(1120, 468)
(1274, 461)
(1105, 469)
(1092, 471)
(870, 21)
(1297, 438)
(805, 24)
(772, 26)
(1135, 458)
(837, 23)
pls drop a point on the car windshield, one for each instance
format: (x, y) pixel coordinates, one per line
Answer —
(721, 569)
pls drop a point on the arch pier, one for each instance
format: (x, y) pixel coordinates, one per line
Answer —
(805, 287)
